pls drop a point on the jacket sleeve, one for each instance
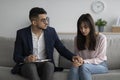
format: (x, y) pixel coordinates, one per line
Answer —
(18, 49)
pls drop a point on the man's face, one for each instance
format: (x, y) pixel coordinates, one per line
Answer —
(41, 22)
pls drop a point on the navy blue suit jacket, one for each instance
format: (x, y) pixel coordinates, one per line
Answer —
(24, 46)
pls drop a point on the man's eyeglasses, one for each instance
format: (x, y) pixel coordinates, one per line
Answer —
(44, 20)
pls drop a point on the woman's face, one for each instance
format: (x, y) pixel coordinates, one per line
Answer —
(84, 29)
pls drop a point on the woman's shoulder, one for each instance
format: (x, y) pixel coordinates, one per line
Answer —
(101, 36)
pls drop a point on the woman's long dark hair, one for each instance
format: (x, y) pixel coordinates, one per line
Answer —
(81, 39)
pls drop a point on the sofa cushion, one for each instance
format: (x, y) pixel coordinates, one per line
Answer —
(111, 75)
(63, 62)
(6, 51)
(56, 57)
(113, 52)
(60, 75)
(5, 74)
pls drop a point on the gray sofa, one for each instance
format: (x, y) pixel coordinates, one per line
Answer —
(113, 53)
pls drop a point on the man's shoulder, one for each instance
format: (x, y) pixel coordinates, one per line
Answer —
(51, 28)
(23, 29)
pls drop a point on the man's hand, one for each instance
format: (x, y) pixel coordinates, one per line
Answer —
(31, 58)
(77, 61)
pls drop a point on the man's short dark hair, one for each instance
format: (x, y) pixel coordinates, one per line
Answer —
(34, 12)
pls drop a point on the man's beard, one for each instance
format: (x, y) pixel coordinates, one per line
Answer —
(41, 28)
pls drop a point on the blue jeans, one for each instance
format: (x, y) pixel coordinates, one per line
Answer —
(85, 71)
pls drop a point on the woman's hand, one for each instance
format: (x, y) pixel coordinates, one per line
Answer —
(77, 63)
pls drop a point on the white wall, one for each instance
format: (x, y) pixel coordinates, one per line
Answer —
(63, 14)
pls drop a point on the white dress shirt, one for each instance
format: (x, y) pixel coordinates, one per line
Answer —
(39, 46)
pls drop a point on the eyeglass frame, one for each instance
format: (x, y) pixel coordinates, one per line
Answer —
(44, 20)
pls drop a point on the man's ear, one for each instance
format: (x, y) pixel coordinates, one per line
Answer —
(34, 22)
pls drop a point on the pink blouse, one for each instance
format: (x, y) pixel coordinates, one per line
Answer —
(98, 55)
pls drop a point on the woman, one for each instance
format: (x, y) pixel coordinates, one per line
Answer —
(91, 47)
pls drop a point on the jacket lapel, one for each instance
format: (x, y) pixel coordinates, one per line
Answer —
(46, 42)
(29, 39)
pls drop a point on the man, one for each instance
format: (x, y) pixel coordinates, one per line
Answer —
(37, 42)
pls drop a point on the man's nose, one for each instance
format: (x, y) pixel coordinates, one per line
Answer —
(46, 22)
